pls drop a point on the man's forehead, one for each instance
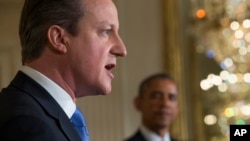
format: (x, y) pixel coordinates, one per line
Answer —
(160, 81)
(160, 85)
(102, 12)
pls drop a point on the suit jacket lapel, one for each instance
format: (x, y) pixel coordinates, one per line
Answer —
(67, 127)
(139, 136)
(29, 86)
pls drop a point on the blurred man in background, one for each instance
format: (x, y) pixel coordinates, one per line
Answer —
(157, 101)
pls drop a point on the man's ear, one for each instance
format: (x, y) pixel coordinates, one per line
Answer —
(137, 103)
(56, 38)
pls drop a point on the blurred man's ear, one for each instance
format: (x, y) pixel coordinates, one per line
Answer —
(176, 111)
(137, 103)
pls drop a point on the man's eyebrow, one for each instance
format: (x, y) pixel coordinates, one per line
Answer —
(156, 91)
(173, 94)
(106, 23)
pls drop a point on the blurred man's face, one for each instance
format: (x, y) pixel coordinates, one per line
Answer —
(158, 104)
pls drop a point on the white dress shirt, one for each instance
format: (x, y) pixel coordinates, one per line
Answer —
(57, 92)
(151, 136)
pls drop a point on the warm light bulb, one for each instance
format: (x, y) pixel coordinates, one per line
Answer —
(210, 119)
(200, 13)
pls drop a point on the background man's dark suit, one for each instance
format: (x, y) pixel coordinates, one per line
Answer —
(29, 106)
(139, 137)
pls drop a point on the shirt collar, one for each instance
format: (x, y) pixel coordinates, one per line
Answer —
(57, 92)
(151, 136)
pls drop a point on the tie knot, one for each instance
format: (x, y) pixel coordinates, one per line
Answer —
(77, 118)
(78, 121)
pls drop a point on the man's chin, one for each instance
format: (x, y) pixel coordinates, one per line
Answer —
(164, 123)
(93, 92)
(106, 90)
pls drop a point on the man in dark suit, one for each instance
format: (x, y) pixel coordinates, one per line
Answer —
(69, 48)
(157, 102)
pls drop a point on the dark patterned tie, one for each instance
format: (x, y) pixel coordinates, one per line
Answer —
(80, 125)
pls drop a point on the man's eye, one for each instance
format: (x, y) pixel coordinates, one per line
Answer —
(172, 97)
(156, 95)
(106, 31)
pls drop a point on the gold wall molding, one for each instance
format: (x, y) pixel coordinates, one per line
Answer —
(180, 60)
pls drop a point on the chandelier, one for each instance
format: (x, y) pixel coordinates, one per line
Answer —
(225, 37)
(222, 31)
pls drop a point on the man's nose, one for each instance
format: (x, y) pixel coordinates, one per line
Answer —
(119, 49)
(165, 101)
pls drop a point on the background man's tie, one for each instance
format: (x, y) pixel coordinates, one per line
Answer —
(80, 125)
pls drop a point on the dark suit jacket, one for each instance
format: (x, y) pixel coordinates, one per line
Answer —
(139, 137)
(29, 113)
